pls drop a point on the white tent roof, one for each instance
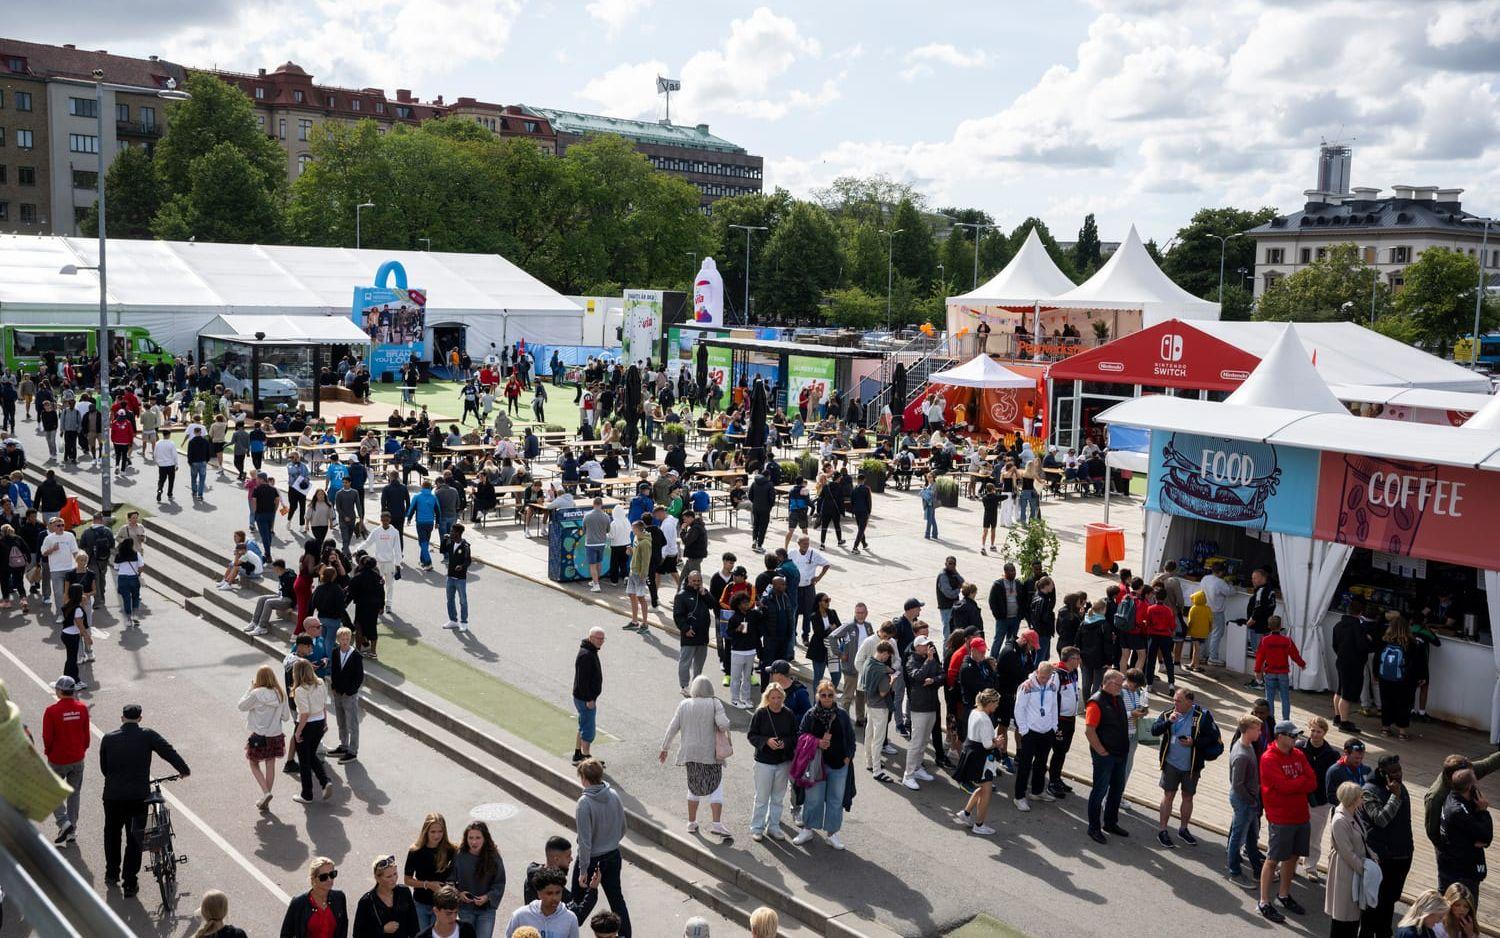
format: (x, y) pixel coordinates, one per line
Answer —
(981, 371)
(1031, 276)
(314, 330)
(1487, 417)
(1348, 353)
(1462, 401)
(1130, 279)
(1286, 377)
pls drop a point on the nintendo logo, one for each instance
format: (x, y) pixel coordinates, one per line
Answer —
(1229, 375)
(1111, 366)
(1171, 347)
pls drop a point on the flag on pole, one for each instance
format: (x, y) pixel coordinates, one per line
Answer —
(664, 85)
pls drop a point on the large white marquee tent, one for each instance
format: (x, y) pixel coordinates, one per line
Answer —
(175, 288)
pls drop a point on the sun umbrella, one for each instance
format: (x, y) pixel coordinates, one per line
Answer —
(755, 433)
(898, 388)
(702, 376)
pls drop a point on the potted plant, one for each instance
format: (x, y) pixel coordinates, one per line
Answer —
(808, 465)
(673, 433)
(874, 470)
(717, 442)
(1031, 542)
(946, 489)
(1101, 331)
(789, 469)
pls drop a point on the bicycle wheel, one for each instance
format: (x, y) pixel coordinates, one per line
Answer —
(163, 857)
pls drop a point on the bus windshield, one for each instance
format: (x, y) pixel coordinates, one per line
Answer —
(36, 343)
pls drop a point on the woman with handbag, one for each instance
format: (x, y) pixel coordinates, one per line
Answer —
(266, 711)
(1346, 863)
(704, 726)
(976, 763)
(773, 733)
(832, 733)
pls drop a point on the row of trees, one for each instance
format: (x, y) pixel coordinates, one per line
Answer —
(860, 252)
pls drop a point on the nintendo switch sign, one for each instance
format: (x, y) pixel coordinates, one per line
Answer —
(1169, 363)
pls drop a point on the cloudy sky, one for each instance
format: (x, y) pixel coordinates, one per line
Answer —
(1138, 110)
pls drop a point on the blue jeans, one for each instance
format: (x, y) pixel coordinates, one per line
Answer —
(1006, 629)
(1104, 796)
(1215, 648)
(130, 593)
(459, 588)
(1030, 505)
(265, 522)
(1244, 834)
(1279, 685)
(820, 668)
(443, 525)
(1045, 646)
(424, 542)
(824, 807)
(425, 918)
(483, 920)
(198, 479)
(929, 515)
(586, 718)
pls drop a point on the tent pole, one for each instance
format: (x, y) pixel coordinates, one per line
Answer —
(1036, 331)
(1107, 487)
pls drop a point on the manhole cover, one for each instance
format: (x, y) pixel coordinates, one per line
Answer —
(494, 811)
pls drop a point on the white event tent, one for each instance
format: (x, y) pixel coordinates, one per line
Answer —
(1021, 287)
(174, 288)
(1130, 280)
(981, 371)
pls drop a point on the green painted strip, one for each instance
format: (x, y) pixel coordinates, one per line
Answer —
(550, 728)
(986, 926)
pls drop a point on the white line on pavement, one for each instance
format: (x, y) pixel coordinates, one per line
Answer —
(184, 810)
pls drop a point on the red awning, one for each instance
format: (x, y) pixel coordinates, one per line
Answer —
(1170, 354)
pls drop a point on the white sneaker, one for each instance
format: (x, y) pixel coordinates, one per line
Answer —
(250, 627)
(1047, 796)
(223, 585)
(757, 836)
(1022, 804)
(982, 829)
(775, 834)
(834, 842)
(721, 831)
(450, 624)
(692, 827)
(260, 631)
(911, 782)
(803, 837)
(595, 588)
(463, 628)
(889, 750)
(963, 817)
(923, 775)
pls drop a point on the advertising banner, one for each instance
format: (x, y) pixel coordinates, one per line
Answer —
(708, 295)
(567, 560)
(805, 371)
(1246, 484)
(720, 366)
(642, 326)
(393, 317)
(1409, 509)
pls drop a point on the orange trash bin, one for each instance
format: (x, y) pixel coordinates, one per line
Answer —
(1103, 548)
(346, 428)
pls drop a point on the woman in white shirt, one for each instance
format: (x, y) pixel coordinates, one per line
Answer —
(265, 711)
(128, 567)
(312, 722)
(975, 769)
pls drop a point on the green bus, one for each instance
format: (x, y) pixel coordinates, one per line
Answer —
(25, 345)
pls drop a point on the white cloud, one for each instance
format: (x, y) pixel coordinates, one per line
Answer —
(627, 90)
(921, 60)
(615, 14)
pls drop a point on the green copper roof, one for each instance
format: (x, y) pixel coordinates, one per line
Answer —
(672, 135)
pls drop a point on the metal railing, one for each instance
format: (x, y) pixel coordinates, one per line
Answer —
(49, 893)
(138, 128)
(923, 355)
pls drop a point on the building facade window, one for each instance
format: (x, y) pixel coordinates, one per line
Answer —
(302, 160)
(260, 121)
(121, 145)
(4, 211)
(2, 174)
(304, 128)
(353, 104)
(403, 112)
(83, 107)
(28, 213)
(2, 136)
(1275, 255)
(80, 212)
(122, 113)
(331, 100)
(281, 128)
(148, 116)
(23, 100)
(297, 96)
(23, 139)
(1401, 255)
(1304, 256)
(15, 63)
(85, 179)
(260, 93)
(379, 107)
(1321, 253)
(83, 143)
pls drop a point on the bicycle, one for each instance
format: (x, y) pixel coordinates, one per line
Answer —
(156, 837)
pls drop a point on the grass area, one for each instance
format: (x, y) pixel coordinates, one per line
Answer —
(540, 723)
(986, 926)
(442, 398)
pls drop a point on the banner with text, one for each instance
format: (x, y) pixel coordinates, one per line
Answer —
(393, 317)
(720, 367)
(1246, 484)
(641, 327)
(806, 371)
(1409, 509)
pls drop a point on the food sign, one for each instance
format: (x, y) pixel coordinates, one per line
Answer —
(1237, 482)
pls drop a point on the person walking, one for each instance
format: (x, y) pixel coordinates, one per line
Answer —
(98, 542)
(928, 495)
(861, 502)
(824, 806)
(1387, 818)
(321, 910)
(588, 685)
(693, 614)
(596, 526)
(773, 735)
(1244, 799)
(638, 584)
(1346, 862)
(599, 820)
(65, 742)
(346, 677)
(479, 877)
(1286, 779)
(425, 510)
(1273, 664)
(125, 761)
(458, 558)
(1189, 739)
(388, 908)
(1107, 730)
(128, 568)
(383, 543)
(266, 712)
(312, 722)
(57, 549)
(75, 631)
(429, 865)
(705, 737)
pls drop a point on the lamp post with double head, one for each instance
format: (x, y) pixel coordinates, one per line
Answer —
(747, 229)
(978, 230)
(890, 254)
(1223, 246)
(357, 209)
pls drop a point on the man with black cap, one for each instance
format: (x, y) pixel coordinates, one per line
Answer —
(125, 761)
(65, 740)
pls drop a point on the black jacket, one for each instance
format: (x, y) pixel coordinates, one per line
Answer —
(1350, 644)
(1041, 614)
(765, 726)
(1463, 826)
(1387, 826)
(997, 599)
(294, 923)
(395, 499)
(346, 679)
(367, 593)
(328, 601)
(692, 614)
(50, 496)
(199, 449)
(125, 760)
(966, 614)
(973, 677)
(1012, 666)
(921, 697)
(371, 915)
(694, 540)
(465, 930)
(762, 494)
(588, 676)
(860, 501)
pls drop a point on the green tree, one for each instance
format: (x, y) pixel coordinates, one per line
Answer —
(133, 197)
(761, 209)
(912, 251)
(853, 308)
(801, 261)
(227, 198)
(1193, 262)
(1336, 287)
(216, 113)
(864, 256)
(1238, 303)
(1437, 298)
(351, 164)
(1153, 251)
(1059, 256)
(869, 199)
(1086, 248)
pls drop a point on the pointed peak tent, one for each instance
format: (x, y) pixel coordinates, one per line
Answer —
(1029, 278)
(1487, 418)
(1287, 378)
(1130, 279)
(982, 371)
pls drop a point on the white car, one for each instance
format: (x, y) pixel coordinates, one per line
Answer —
(275, 386)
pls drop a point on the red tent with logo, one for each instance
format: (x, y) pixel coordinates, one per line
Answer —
(1171, 354)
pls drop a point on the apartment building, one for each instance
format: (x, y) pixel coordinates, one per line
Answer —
(52, 131)
(508, 121)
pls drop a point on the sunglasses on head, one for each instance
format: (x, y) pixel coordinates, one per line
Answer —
(382, 864)
(325, 877)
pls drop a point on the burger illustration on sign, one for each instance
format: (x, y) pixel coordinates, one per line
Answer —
(1229, 481)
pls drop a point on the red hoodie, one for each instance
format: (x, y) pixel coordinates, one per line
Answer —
(1161, 621)
(1274, 651)
(65, 731)
(1285, 782)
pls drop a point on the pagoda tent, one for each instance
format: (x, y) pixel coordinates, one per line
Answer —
(993, 398)
(1013, 296)
(1131, 285)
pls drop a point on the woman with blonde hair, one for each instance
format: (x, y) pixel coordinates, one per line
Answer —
(764, 923)
(312, 722)
(213, 909)
(266, 712)
(320, 901)
(1426, 912)
(1346, 862)
(1459, 920)
(704, 726)
(773, 735)
(429, 864)
(388, 908)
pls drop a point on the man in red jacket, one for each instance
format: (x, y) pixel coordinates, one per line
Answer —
(1286, 779)
(65, 740)
(1161, 625)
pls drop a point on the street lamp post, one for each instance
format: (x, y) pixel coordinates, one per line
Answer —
(426, 242)
(1484, 244)
(978, 230)
(747, 229)
(357, 209)
(694, 275)
(943, 277)
(1223, 246)
(169, 93)
(890, 253)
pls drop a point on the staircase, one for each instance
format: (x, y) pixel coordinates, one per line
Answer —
(923, 356)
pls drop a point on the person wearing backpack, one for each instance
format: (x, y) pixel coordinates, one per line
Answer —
(1190, 738)
(98, 541)
(1128, 623)
(1393, 670)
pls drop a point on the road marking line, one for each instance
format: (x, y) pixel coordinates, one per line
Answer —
(184, 810)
